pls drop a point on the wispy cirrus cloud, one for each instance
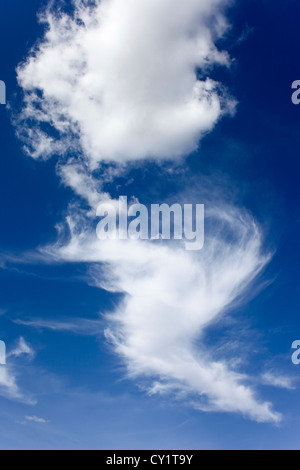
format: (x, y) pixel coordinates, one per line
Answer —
(35, 419)
(170, 297)
(10, 372)
(22, 348)
(81, 326)
(9, 387)
(278, 380)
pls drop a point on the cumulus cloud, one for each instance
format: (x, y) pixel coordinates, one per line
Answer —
(128, 80)
(119, 80)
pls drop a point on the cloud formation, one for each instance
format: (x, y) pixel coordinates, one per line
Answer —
(22, 348)
(8, 385)
(276, 380)
(125, 80)
(122, 81)
(36, 419)
(170, 297)
(9, 374)
(82, 326)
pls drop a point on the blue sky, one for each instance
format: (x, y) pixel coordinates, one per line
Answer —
(66, 384)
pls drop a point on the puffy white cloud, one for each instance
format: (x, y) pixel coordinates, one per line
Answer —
(118, 80)
(9, 373)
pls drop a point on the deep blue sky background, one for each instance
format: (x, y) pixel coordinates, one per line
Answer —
(76, 379)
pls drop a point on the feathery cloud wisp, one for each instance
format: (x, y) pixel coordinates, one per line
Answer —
(170, 296)
(80, 326)
(9, 388)
(36, 419)
(277, 380)
(22, 348)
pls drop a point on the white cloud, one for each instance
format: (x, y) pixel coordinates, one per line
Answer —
(36, 419)
(120, 79)
(170, 297)
(118, 83)
(9, 373)
(9, 388)
(80, 326)
(22, 348)
(276, 380)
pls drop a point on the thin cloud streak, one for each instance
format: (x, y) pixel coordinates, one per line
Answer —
(9, 388)
(277, 380)
(79, 326)
(36, 419)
